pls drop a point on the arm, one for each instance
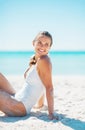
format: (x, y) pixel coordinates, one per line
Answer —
(45, 72)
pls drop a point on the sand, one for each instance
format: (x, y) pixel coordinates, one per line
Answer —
(69, 99)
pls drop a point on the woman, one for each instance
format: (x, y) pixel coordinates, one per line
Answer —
(38, 80)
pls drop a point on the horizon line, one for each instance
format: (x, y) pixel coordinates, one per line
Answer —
(57, 51)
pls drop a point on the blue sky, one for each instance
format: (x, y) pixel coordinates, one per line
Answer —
(21, 20)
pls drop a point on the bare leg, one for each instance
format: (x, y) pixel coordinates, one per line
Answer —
(5, 85)
(40, 103)
(10, 106)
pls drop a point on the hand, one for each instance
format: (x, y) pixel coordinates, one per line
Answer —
(53, 117)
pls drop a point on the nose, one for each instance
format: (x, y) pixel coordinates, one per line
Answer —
(42, 45)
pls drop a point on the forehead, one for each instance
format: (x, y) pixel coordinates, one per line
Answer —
(44, 38)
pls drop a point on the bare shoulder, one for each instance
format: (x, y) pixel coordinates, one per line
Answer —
(44, 63)
(45, 60)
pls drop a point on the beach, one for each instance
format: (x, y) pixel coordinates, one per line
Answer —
(69, 104)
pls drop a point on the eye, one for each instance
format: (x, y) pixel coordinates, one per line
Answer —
(46, 45)
(39, 43)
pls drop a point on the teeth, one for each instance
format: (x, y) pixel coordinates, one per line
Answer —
(41, 50)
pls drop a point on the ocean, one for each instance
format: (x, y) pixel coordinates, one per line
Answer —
(63, 63)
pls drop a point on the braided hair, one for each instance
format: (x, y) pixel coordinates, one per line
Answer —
(32, 60)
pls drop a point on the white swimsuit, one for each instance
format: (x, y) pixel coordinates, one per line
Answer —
(32, 89)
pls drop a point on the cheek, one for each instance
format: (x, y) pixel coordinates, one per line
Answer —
(36, 47)
(48, 49)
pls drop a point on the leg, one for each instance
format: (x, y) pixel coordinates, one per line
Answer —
(40, 103)
(10, 106)
(5, 85)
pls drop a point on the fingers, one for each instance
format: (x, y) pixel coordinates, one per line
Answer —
(53, 117)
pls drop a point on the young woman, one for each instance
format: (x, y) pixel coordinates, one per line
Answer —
(38, 79)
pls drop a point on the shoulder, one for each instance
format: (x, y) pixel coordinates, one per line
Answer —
(44, 62)
(45, 59)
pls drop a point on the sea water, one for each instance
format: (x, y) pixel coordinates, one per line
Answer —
(63, 63)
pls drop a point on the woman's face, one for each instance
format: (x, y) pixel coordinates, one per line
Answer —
(42, 45)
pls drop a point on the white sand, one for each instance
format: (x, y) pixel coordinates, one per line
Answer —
(69, 97)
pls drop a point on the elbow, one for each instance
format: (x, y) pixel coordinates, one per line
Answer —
(49, 90)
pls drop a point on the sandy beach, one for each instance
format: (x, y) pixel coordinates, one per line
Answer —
(69, 99)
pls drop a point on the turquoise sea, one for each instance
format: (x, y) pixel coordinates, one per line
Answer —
(64, 63)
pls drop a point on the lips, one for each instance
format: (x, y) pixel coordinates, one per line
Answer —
(41, 50)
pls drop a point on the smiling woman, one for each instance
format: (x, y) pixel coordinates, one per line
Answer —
(37, 82)
(42, 43)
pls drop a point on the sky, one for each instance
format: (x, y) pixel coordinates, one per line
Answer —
(21, 20)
